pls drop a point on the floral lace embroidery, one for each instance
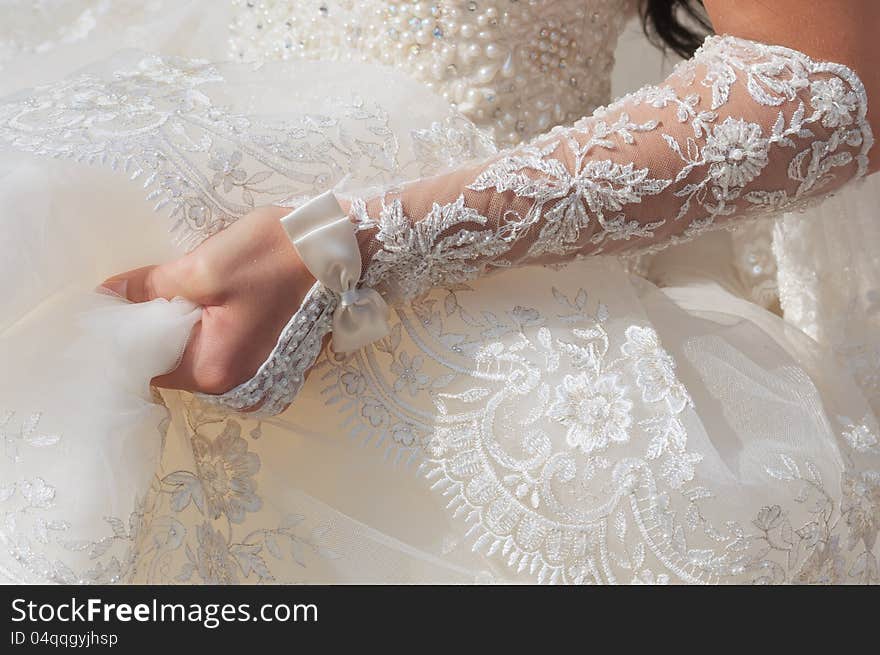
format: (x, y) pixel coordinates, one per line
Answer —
(198, 525)
(31, 529)
(524, 497)
(154, 119)
(539, 485)
(220, 490)
(569, 198)
(816, 551)
(511, 524)
(565, 195)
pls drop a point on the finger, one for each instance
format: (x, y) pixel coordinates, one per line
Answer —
(183, 377)
(201, 368)
(145, 283)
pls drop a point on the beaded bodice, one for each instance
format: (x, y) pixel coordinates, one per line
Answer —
(515, 67)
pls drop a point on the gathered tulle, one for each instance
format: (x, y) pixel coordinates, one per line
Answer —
(81, 444)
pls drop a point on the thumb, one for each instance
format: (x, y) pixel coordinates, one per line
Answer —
(144, 284)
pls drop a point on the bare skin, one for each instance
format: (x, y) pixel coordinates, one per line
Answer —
(844, 32)
(250, 280)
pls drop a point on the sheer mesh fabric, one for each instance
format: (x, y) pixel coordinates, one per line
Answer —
(741, 130)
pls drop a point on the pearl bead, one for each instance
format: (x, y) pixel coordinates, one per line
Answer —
(486, 74)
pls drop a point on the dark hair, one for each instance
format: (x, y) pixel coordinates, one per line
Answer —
(677, 25)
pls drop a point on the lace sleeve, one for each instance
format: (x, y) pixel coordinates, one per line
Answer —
(740, 130)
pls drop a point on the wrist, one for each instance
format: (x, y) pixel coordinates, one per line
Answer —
(326, 239)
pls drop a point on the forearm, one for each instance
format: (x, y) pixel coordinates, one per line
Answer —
(742, 129)
(844, 32)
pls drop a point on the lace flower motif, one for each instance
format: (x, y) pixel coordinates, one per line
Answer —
(595, 410)
(409, 375)
(599, 187)
(861, 507)
(214, 562)
(431, 252)
(678, 468)
(835, 101)
(860, 437)
(736, 152)
(227, 172)
(655, 369)
(648, 577)
(226, 470)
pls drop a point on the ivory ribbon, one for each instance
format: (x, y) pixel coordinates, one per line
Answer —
(325, 239)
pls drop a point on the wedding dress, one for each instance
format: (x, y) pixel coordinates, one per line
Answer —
(619, 418)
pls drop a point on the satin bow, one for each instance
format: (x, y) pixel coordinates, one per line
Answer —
(325, 239)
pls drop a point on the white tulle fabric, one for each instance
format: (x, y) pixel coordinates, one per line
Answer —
(101, 355)
(829, 278)
(590, 427)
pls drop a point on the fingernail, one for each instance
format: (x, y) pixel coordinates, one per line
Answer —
(116, 287)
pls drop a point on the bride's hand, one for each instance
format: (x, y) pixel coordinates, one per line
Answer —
(248, 279)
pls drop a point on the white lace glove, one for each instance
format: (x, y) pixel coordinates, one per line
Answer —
(740, 130)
